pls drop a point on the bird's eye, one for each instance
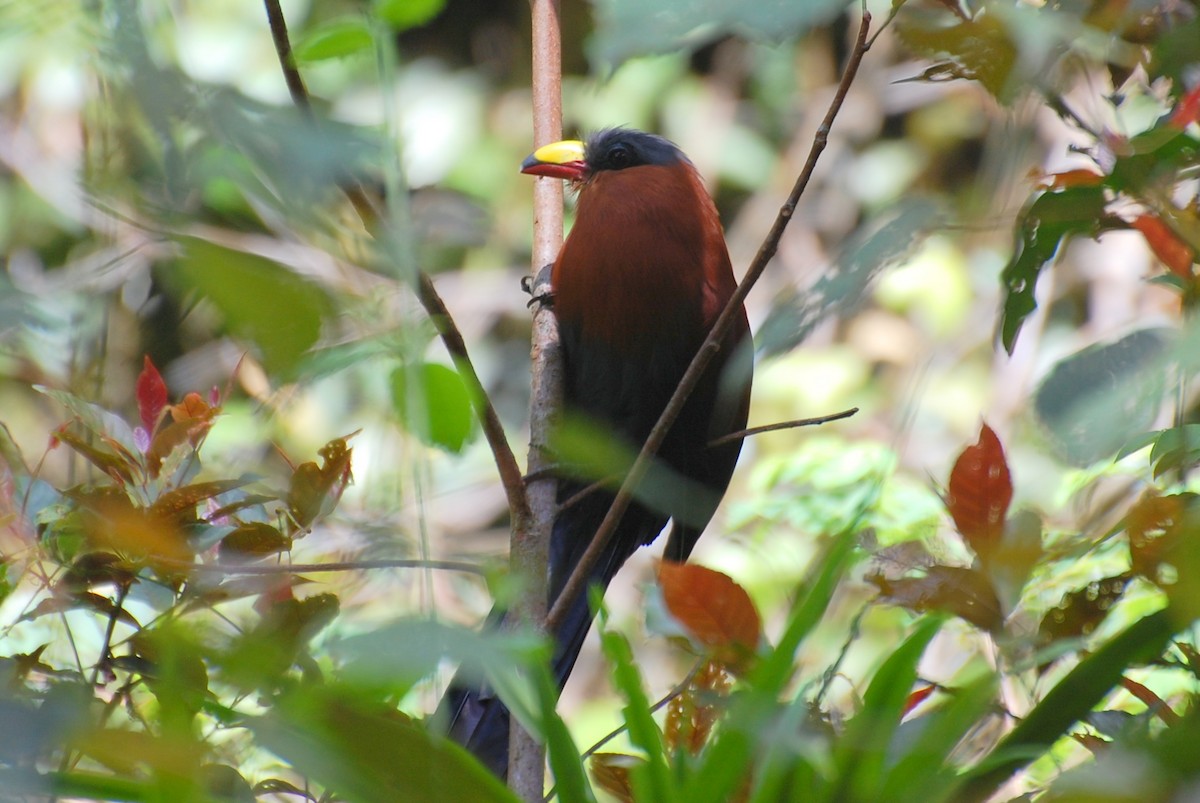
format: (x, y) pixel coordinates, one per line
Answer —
(619, 157)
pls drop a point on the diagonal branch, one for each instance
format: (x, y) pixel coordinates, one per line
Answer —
(427, 294)
(711, 345)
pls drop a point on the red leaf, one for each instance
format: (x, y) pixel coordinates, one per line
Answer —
(980, 492)
(151, 395)
(1173, 252)
(918, 696)
(1188, 110)
(714, 609)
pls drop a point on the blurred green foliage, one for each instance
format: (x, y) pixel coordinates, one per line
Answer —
(1004, 174)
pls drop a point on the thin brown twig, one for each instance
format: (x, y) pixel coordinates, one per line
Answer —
(711, 345)
(793, 424)
(287, 59)
(333, 566)
(427, 295)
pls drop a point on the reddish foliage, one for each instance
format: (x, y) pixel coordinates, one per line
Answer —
(980, 493)
(714, 609)
(693, 713)
(918, 696)
(611, 771)
(191, 420)
(1152, 701)
(1153, 527)
(1188, 110)
(151, 393)
(1173, 252)
(966, 593)
(1079, 177)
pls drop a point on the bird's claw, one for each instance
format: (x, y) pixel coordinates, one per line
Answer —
(545, 299)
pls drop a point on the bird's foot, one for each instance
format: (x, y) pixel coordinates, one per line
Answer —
(544, 299)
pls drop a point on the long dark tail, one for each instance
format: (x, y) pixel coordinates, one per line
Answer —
(475, 717)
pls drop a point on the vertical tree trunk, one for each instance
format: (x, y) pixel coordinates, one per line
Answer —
(530, 544)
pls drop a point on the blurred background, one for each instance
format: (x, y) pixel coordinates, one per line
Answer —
(161, 195)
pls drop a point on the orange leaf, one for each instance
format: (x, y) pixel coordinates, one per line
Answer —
(714, 609)
(611, 771)
(1173, 252)
(692, 713)
(980, 492)
(1079, 177)
(191, 420)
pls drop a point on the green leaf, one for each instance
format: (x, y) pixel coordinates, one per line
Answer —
(1071, 700)
(1175, 448)
(626, 28)
(888, 238)
(754, 710)
(405, 14)
(652, 780)
(1097, 399)
(95, 419)
(782, 770)
(570, 780)
(1049, 220)
(924, 773)
(259, 299)
(862, 750)
(399, 654)
(811, 601)
(74, 784)
(334, 39)
(370, 752)
(434, 404)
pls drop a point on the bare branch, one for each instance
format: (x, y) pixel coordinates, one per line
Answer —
(797, 422)
(529, 552)
(287, 59)
(334, 566)
(711, 345)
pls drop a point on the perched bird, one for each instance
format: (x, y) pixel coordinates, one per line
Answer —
(637, 286)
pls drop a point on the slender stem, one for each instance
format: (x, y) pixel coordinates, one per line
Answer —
(530, 545)
(287, 59)
(794, 423)
(335, 566)
(711, 345)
